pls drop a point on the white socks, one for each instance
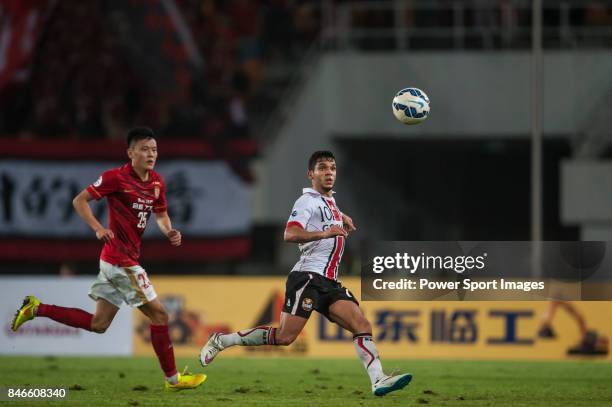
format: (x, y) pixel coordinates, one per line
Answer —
(173, 379)
(366, 350)
(266, 335)
(261, 335)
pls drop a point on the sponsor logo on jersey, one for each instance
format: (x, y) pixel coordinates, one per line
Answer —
(98, 182)
(307, 304)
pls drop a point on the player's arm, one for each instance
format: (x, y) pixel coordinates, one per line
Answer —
(296, 234)
(347, 221)
(81, 205)
(301, 214)
(165, 225)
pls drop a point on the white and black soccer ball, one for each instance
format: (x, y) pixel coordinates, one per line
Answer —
(411, 106)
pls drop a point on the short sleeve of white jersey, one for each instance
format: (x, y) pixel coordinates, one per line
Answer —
(301, 212)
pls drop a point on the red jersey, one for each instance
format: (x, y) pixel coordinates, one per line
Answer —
(130, 203)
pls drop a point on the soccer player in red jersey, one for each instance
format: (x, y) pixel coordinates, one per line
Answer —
(132, 191)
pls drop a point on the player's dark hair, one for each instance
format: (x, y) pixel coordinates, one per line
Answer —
(139, 133)
(317, 155)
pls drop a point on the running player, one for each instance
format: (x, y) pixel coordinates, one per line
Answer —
(133, 191)
(320, 229)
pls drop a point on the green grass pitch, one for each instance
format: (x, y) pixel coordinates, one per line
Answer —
(311, 382)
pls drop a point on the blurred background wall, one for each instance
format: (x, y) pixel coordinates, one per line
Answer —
(250, 88)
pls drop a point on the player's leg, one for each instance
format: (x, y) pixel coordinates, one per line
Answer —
(160, 337)
(289, 329)
(32, 308)
(106, 295)
(105, 313)
(162, 345)
(75, 317)
(346, 313)
(349, 316)
(134, 288)
(300, 299)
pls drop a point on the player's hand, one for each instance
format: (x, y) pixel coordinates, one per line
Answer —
(348, 223)
(105, 234)
(335, 231)
(175, 237)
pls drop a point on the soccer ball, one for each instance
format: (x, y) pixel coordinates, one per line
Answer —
(411, 106)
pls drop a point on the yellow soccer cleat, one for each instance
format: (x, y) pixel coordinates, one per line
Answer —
(186, 381)
(26, 312)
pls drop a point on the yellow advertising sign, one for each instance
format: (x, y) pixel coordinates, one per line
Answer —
(456, 330)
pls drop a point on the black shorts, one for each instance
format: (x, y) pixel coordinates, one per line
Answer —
(305, 291)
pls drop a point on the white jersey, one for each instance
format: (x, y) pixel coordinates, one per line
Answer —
(315, 212)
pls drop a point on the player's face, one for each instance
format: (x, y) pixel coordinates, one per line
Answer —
(144, 154)
(324, 174)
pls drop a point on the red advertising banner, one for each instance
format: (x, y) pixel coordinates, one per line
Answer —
(21, 23)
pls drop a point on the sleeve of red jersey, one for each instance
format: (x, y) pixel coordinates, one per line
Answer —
(301, 213)
(161, 205)
(106, 184)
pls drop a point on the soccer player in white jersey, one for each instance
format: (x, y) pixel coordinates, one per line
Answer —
(320, 229)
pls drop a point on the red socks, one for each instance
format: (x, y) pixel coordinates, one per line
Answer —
(68, 316)
(163, 348)
(82, 319)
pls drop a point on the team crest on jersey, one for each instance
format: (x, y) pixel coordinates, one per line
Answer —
(98, 182)
(307, 304)
(156, 189)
